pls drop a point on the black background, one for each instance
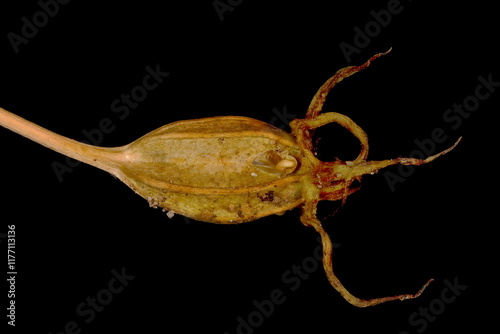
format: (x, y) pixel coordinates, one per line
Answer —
(193, 277)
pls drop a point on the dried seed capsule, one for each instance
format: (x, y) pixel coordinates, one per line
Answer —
(203, 168)
(235, 169)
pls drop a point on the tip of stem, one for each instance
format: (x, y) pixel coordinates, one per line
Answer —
(433, 157)
(371, 167)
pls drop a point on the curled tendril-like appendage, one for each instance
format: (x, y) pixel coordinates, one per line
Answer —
(334, 180)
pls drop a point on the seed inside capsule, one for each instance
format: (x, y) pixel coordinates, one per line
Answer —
(286, 163)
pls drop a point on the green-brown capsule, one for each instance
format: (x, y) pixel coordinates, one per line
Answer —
(234, 169)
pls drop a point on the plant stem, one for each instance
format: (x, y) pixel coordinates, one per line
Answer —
(107, 159)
